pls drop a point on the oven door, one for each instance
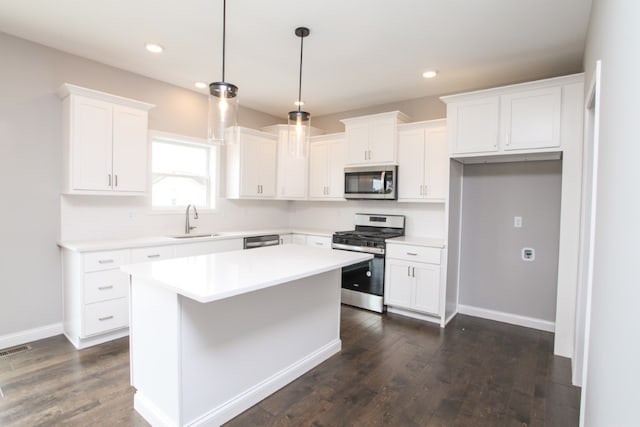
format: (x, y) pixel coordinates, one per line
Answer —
(367, 276)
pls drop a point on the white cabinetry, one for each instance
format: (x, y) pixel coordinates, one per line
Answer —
(318, 241)
(286, 239)
(518, 119)
(298, 239)
(208, 247)
(251, 164)
(372, 139)
(292, 172)
(423, 162)
(105, 142)
(96, 303)
(412, 278)
(326, 167)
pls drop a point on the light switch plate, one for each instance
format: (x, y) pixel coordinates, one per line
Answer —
(517, 221)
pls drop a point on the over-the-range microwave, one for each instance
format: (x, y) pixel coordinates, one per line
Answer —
(371, 182)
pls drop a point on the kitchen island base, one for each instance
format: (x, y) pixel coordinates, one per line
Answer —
(195, 363)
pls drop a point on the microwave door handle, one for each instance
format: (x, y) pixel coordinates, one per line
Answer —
(382, 176)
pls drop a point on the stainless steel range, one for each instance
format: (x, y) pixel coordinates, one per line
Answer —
(363, 284)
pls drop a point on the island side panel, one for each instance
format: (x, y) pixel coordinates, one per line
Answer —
(154, 346)
(237, 351)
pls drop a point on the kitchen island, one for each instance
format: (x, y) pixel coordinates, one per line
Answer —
(212, 335)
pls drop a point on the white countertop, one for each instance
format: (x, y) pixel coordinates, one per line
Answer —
(213, 277)
(418, 241)
(139, 242)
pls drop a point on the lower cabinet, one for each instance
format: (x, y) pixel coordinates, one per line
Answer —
(96, 296)
(311, 240)
(412, 278)
(96, 292)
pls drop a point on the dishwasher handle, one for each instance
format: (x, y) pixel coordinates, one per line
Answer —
(260, 241)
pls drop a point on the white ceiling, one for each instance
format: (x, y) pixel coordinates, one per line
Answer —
(360, 52)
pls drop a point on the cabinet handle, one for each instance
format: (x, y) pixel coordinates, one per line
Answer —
(116, 180)
(507, 137)
(319, 243)
(153, 256)
(109, 175)
(105, 261)
(408, 271)
(102, 319)
(412, 253)
(104, 288)
(413, 273)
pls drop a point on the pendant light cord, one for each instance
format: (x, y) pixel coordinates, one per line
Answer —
(224, 32)
(300, 79)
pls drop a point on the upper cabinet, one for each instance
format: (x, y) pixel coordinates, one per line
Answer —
(251, 164)
(326, 167)
(105, 142)
(372, 139)
(518, 119)
(292, 171)
(423, 162)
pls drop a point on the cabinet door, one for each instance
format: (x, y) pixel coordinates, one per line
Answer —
(398, 283)
(258, 166)
(291, 176)
(427, 288)
(129, 149)
(318, 169)
(436, 164)
(382, 142)
(411, 164)
(91, 144)
(209, 247)
(357, 144)
(335, 169)
(473, 125)
(531, 119)
(319, 241)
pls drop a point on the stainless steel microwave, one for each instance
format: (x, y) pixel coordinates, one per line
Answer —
(371, 182)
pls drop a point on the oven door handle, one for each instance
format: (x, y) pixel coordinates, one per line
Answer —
(365, 249)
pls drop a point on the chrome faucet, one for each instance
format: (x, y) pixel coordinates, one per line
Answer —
(187, 226)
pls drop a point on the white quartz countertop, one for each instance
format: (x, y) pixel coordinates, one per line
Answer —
(139, 242)
(214, 277)
(418, 241)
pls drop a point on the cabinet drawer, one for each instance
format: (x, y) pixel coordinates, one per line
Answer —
(105, 285)
(414, 253)
(108, 260)
(105, 316)
(151, 254)
(319, 241)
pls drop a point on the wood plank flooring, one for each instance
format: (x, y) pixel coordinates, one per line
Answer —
(392, 371)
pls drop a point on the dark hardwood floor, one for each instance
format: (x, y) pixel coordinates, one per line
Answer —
(392, 371)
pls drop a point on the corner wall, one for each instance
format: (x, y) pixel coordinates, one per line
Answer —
(610, 396)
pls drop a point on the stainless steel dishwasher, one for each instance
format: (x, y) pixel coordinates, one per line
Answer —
(260, 241)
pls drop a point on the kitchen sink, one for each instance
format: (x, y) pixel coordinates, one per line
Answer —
(194, 236)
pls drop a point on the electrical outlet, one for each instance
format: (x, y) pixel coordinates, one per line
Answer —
(528, 254)
(517, 221)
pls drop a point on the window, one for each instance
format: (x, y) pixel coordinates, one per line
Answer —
(183, 171)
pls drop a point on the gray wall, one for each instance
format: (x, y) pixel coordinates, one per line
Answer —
(425, 108)
(31, 164)
(492, 273)
(610, 395)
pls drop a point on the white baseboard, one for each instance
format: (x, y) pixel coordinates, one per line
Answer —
(514, 319)
(413, 314)
(23, 337)
(245, 400)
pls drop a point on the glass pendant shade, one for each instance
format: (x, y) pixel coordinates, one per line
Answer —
(299, 132)
(223, 110)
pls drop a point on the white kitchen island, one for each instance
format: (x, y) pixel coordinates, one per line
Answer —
(212, 335)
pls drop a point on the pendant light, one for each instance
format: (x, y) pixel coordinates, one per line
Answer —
(223, 98)
(299, 129)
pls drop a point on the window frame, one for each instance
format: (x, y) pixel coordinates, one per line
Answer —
(213, 176)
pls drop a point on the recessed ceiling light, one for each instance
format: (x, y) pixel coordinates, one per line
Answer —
(153, 47)
(429, 74)
(201, 85)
